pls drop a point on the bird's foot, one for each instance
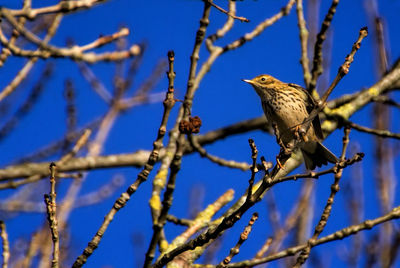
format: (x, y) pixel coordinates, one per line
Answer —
(300, 134)
(279, 163)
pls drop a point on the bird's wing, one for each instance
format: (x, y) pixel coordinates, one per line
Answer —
(310, 106)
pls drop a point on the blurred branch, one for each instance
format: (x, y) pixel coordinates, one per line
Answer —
(75, 52)
(63, 7)
(5, 244)
(383, 152)
(89, 199)
(70, 110)
(377, 132)
(79, 144)
(354, 197)
(153, 79)
(15, 34)
(386, 100)
(23, 73)
(234, 129)
(303, 32)
(94, 82)
(215, 159)
(35, 176)
(282, 230)
(56, 146)
(264, 249)
(31, 100)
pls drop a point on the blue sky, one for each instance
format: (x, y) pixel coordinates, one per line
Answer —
(222, 99)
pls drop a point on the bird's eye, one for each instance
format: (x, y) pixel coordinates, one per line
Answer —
(263, 79)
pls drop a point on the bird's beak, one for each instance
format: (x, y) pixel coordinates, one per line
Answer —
(248, 81)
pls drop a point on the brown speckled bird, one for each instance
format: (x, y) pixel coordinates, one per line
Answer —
(287, 105)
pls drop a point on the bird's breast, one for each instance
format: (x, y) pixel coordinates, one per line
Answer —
(285, 115)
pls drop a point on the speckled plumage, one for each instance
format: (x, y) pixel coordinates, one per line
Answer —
(288, 105)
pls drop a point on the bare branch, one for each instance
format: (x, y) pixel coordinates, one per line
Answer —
(317, 61)
(50, 201)
(242, 19)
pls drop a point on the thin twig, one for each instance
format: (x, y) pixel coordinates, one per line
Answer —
(343, 70)
(225, 28)
(243, 237)
(160, 178)
(316, 70)
(179, 221)
(242, 19)
(50, 201)
(254, 169)
(259, 28)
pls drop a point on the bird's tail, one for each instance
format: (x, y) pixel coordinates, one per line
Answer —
(319, 156)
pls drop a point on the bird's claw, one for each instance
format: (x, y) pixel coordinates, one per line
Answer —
(300, 133)
(279, 163)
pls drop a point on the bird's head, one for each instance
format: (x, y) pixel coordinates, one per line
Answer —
(263, 83)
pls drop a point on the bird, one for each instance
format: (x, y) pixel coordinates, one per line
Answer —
(287, 105)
